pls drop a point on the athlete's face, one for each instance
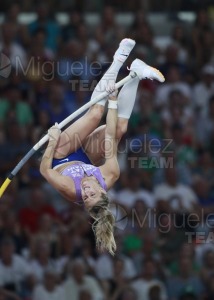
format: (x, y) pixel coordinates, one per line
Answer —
(91, 191)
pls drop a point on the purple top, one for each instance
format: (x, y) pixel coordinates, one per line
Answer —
(78, 171)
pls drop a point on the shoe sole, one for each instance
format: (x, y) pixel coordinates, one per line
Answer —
(142, 64)
(131, 43)
(159, 74)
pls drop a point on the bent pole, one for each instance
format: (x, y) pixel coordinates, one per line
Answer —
(61, 125)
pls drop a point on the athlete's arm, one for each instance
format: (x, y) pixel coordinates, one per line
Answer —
(110, 169)
(61, 183)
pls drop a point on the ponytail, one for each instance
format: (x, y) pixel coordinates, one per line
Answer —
(103, 226)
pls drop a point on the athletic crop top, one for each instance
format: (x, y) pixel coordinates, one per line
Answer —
(79, 170)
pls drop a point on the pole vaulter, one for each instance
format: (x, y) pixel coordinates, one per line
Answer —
(61, 125)
(81, 172)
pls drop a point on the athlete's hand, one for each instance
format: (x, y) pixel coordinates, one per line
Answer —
(54, 132)
(113, 95)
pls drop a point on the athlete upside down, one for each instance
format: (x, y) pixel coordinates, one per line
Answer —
(73, 160)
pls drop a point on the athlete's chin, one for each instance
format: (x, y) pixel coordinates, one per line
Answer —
(85, 185)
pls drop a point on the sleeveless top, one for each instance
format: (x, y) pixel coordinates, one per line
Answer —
(78, 171)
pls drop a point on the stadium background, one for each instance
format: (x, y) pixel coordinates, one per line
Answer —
(164, 199)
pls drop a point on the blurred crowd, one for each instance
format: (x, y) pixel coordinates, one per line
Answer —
(164, 200)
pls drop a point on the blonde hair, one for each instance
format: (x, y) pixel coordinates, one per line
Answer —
(103, 227)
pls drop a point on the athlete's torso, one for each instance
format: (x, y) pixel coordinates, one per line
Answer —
(77, 171)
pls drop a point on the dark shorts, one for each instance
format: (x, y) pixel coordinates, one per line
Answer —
(78, 155)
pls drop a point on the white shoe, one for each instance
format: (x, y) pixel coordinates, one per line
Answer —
(144, 71)
(125, 47)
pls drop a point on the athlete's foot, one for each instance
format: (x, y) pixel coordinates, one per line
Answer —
(125, 47)
(144, 71)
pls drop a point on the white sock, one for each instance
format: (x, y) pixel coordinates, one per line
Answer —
(108, 79)
(126, 98)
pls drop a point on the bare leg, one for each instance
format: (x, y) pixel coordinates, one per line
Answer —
(94, 144)
(74, 136)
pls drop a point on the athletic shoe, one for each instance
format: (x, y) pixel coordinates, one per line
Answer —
(145, 71)
(125, 47)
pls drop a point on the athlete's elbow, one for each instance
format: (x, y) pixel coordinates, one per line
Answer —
(45, 166)
(116, 174)
(43, 170)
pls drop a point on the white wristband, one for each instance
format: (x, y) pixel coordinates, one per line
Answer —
(112, 104)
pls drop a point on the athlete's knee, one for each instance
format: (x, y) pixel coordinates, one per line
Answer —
(121, 127)
(96, 112)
